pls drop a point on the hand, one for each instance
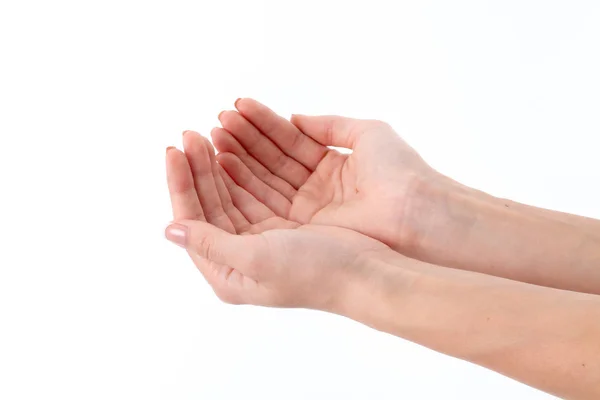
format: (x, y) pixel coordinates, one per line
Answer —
(383, 189)
(247, 253)
(379, 189)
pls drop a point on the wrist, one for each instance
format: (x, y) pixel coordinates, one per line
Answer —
(377, 285)
(461, 228)
(440, 213)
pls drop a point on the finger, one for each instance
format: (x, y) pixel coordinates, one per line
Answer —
(223, 279)
(264, 150)
(283, 133)
(184, 199)
(240, 223)
(242, 175)
(216, 245)
(226, 143)
(330, 130)
(199, 160)
(252, 209)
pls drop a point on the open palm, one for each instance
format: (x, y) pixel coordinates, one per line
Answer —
(290, 168)
(244, 250)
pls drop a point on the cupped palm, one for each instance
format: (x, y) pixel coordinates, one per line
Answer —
(290, 167)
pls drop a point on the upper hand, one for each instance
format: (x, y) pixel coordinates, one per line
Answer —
(289, 166)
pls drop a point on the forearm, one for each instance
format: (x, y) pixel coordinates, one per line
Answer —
(589, 225)
(471, 233)
(546, 338)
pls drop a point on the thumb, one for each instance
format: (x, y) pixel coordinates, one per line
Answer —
(212, 243)
(331, 130)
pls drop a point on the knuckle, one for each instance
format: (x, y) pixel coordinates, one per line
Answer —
(263, 174)
(214, 214)
(270, 127)
(205, 247)
(254, 166)
(296, 139)
(227, 204)
(253, 143)
(281, 161)
(198, 215)
(329, 130)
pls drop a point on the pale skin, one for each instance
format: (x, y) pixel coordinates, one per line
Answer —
(279, 219)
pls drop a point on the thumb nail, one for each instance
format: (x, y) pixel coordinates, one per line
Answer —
(177, 234)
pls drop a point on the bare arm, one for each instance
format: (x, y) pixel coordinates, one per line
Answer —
(546, 338)
(471, 232)
(385, 190)
(589, 225)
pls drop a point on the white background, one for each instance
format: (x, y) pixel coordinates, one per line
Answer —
(95, 304)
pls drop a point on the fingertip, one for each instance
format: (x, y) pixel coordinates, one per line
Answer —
(227, 116)
(227, 159)
(177, 233)
(215, 133)
(254, 110)
(296, 119)
(172, 154)
(186, 138)
(247, 103)
(235, 103)
(250, 108)
(189, 131)
(243, 104)
(192, 139)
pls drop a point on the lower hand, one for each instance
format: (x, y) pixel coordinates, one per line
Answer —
(247, 253)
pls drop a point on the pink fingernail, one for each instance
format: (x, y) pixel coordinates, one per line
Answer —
(177, 234)
(235, 103)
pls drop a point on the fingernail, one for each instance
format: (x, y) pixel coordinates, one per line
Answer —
(170, 148)
(177, 234)
(184, 132)
(235, 103)
(219, 116)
